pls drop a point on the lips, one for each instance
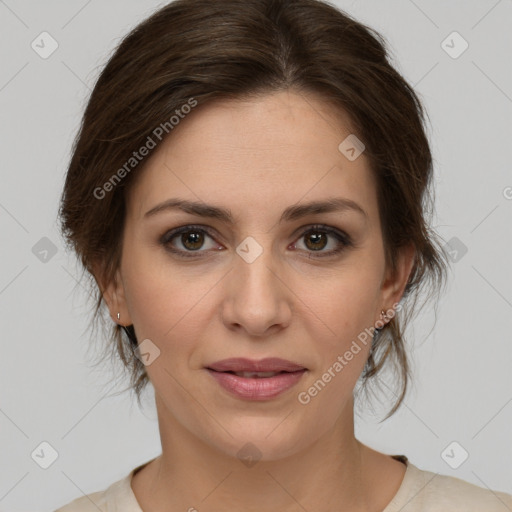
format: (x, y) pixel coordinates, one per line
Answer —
(249, 379)
(251, 368)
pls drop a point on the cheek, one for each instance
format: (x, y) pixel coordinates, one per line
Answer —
(341, 312)
(343, 303)
(165, 302)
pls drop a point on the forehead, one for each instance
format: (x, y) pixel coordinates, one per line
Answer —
(255, 155)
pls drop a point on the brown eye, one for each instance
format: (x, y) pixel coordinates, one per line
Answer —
(192, 240)
(187, 240)
(317, 240)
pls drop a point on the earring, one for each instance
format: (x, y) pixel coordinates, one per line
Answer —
(118, 316)
(384, 317)
(377, 330)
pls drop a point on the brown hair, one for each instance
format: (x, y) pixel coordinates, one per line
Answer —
(202, 50)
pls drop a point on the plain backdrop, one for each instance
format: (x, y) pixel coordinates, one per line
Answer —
(462, 389)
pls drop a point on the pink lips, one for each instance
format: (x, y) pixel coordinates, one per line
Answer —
(254, 387)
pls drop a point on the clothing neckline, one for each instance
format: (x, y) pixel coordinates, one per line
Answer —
(129, 500)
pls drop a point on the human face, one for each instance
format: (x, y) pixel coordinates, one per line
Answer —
(200, 300)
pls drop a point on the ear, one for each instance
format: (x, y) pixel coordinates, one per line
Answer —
(393, 285)
(114, 295)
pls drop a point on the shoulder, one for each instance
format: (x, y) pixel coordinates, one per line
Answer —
(90, 503)
(433, 492)
(118, 496)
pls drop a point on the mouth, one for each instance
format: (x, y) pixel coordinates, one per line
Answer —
(256, 380)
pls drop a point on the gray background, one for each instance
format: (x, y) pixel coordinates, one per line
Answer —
(462, 389)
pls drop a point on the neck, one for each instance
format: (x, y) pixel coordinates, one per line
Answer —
(191, 474)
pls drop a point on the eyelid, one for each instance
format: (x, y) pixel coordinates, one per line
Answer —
(322, 227)
(172, 233)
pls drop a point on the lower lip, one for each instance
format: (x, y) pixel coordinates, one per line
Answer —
(255, 388)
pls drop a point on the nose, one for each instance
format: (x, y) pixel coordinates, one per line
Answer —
(257, 298)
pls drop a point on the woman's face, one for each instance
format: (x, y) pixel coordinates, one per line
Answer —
(261, 283)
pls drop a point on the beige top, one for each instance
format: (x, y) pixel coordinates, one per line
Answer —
(420, 491)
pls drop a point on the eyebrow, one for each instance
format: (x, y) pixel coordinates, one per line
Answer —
(334, 204)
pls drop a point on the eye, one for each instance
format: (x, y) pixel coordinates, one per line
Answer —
(190, 238)
(317, 238)
(187, 240)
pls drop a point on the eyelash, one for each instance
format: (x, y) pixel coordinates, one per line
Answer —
(344, 240)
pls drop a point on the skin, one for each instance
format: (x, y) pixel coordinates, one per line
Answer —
(257, 157)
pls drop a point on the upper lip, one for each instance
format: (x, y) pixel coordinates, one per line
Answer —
(270, 364)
